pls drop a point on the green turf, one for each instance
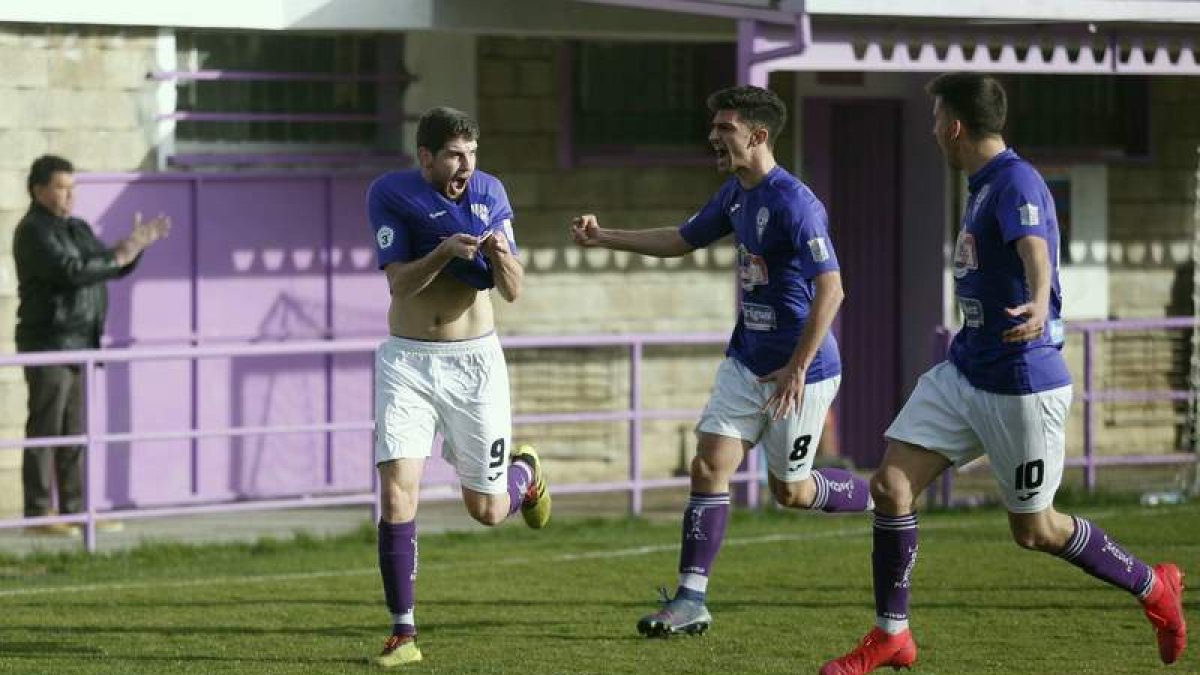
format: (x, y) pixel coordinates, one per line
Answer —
(790, 591)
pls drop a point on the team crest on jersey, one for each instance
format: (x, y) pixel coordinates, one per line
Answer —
(983, 193)
(384, 236)
(752, 269)
(965, 258)
(482, 212)
(760, 220)
(1029, 215)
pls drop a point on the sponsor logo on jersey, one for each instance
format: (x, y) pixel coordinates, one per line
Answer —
(1029, 215)
(752, 269)
(760, 220)
(820, 252)
(965, 258)
(437, 214)
(384, 236)
(758, 317)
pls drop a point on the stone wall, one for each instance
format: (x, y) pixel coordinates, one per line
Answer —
(573, 291)
(1151, 230)
(80, 93)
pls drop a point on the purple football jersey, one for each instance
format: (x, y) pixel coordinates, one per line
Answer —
(1008, 200)
(782, 236)
(410, 218)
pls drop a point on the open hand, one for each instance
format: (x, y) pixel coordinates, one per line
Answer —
(789, 392)
(147, 232)
(1031, 329)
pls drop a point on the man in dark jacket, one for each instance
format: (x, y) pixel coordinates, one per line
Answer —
(61, 271)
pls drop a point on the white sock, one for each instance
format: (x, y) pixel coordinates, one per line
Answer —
(892, 626)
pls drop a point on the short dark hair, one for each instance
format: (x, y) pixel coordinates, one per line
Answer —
(43, 169)
(977, 100)
(441, 125)
(755, 105)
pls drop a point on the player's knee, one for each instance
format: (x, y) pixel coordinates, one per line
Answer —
(892, 493)
(705, 470)
(397, 505)
(488, 513)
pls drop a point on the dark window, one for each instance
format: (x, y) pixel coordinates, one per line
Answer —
(1060, 191)
(1099, 116)
(342, 57)
(630, 97)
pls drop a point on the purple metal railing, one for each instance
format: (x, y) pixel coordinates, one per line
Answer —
(1090, 396)
(90, 360)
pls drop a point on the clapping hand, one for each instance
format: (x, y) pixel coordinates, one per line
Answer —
(147, 232)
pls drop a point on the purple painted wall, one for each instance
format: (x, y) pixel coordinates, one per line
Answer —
(852, 153)
(250, 258)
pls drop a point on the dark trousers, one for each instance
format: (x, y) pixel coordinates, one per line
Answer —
(55, 409)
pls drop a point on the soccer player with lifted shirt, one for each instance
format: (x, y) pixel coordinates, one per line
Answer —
(1004, 391)
(782, 368)
(444, 238)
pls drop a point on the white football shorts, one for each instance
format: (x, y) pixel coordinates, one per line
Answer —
(735, 409)
(1023, 436)
(458, 389)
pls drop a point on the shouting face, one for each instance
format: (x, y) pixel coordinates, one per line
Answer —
(449, 169)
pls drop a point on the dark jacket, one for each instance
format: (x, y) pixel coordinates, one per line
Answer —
(61, 270)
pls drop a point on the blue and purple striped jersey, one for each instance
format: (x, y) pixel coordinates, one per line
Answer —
(410, 218)
(782, 236)
(1008, 200)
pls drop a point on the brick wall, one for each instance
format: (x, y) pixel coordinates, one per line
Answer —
(1151, 229)
(75, 92)
(573, 291)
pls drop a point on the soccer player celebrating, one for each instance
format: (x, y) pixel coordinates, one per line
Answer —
(1005, 390)
(782, 368)
(444, 237)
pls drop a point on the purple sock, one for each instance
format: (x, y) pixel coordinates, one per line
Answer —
(398, 565)
(840, 491)
(519, 476)
(703, 530)
(892, 562)
(1091, 549)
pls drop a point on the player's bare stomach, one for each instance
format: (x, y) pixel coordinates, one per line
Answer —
(446, 309)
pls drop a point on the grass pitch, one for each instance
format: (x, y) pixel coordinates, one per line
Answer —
(789, 591)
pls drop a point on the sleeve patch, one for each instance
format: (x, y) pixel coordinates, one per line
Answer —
(384, 236)
(1029, 215)
(820, 252)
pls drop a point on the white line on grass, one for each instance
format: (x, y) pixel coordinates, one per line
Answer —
(565, 557)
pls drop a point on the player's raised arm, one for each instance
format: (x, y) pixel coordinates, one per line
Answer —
(406, 279)
(661, 242)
